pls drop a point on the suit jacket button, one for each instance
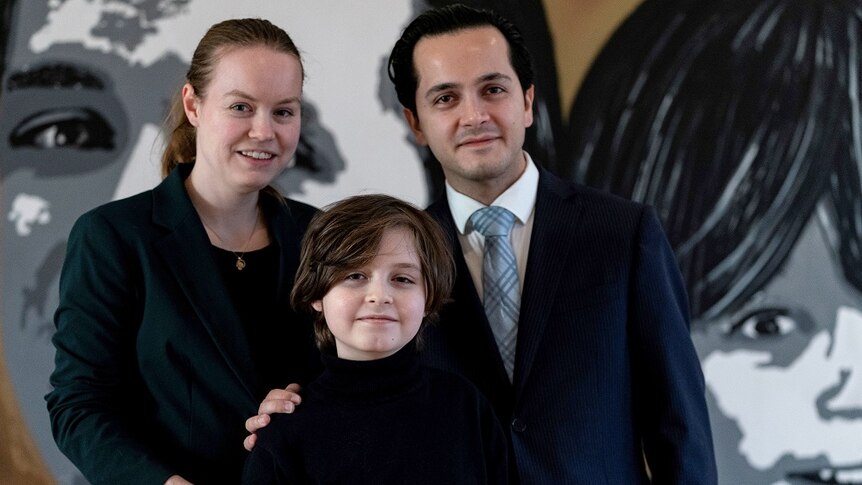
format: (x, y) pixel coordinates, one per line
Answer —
(518, 426)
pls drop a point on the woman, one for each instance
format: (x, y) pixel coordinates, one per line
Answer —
(739, 122)
(174, 313)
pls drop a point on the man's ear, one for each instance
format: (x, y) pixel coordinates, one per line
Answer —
(529, 94)
(190, 104)
(317, 305)
(413, 123)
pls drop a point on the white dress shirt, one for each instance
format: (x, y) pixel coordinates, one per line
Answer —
(520, 200)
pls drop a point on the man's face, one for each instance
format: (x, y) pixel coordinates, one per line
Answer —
(471, 110)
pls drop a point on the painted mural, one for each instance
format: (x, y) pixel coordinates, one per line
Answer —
(740, 122)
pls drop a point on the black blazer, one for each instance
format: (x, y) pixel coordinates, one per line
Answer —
(605, 369)
(153, 370)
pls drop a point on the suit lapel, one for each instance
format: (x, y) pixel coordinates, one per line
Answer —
(185, 250)
(555, 223)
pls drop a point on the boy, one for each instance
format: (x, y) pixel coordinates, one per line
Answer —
(375, 270)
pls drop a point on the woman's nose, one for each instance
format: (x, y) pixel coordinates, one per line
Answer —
(261, 128)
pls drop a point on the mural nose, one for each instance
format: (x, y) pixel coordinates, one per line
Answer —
(846, 398)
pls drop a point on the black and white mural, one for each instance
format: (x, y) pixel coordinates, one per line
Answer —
(740, 122)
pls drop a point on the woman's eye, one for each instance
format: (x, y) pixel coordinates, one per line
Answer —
(283, 113)
(765, 323)
(240, 107)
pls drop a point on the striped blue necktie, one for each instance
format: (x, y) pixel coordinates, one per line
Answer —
(502, 298)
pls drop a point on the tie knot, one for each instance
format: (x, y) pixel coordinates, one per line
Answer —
(493, 221)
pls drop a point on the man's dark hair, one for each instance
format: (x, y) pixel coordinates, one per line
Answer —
(445, 20)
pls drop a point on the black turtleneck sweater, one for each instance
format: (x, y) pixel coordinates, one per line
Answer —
(386, 421)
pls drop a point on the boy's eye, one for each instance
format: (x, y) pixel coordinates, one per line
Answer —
(354, 276)
(404, 279)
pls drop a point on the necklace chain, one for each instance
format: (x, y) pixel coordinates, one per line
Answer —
(240, 262)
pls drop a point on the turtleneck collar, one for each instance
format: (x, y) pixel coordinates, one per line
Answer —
(370, 379)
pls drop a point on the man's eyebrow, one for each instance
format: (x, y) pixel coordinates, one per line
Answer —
(495, 76)
(440, 87)
(492, 76)
(55, 75)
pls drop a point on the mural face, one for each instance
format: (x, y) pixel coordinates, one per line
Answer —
(71, 121)
(785, 375)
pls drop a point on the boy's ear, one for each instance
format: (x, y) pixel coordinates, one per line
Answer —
(317, 305)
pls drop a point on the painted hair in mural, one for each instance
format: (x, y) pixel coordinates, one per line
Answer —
(740, 122)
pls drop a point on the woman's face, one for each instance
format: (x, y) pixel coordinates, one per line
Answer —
(784, 375)
(248, 119)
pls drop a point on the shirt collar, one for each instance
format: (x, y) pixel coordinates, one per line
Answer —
(519, 198)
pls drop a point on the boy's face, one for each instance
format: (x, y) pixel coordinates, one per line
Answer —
(377, 309)
(471, 109)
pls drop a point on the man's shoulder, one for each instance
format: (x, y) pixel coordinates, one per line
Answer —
(551, 184)
(558, 198)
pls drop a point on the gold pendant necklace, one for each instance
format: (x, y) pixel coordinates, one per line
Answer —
(240, 263)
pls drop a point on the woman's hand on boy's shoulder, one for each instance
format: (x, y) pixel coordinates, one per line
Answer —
(276, 401)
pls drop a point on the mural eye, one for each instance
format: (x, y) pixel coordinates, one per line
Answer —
(80, 128)
(772, 322)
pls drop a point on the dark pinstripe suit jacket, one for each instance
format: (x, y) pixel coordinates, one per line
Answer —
(605, 370)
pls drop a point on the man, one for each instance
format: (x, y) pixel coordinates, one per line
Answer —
(603, 376)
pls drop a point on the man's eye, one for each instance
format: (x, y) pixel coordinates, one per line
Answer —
(80, 128)
(446, 98)
(765, 323)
